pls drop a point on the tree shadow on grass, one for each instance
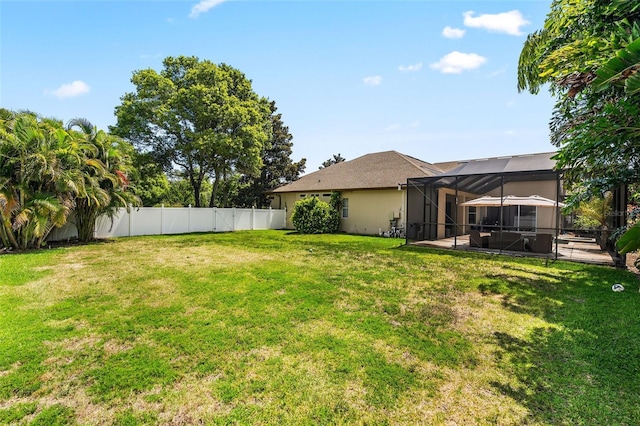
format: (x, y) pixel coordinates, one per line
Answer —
(585, 367)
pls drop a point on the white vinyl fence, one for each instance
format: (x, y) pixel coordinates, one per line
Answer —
(178, 220)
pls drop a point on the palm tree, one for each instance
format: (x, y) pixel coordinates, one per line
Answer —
(37, 182)
(105, 167)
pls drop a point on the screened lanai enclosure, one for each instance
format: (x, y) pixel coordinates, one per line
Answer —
(504, 204)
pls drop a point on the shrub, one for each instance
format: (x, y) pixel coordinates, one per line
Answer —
(312, 216)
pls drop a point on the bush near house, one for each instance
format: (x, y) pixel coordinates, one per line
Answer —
(313, 216)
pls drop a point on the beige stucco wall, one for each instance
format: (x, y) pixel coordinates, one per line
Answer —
(369, 210)
(545, 188)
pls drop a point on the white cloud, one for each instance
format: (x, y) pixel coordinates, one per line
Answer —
(411, 68)
(70, 90)
(373, 80)
(456, 62)
(203, 6)
(506, 22)
(450, 32)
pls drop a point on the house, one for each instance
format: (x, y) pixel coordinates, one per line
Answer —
(509, 203)
(372, 188)
(443, 206)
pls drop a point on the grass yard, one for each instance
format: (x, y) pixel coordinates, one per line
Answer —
(270, 327)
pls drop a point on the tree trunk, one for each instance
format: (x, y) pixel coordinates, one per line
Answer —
(214, 190)
(85, 221)
(9, 234)
(196, 195)
(225, 196)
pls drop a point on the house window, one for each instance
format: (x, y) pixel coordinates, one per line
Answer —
(527, 218)
(472, 216)
(302, 195)
(345, 208)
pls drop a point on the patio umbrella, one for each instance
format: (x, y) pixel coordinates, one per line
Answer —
(486, 201)
(531, 200)
(512, 200)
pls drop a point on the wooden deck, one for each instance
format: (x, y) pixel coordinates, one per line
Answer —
(584, 250)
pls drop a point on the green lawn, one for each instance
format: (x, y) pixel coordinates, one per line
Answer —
(270, 327)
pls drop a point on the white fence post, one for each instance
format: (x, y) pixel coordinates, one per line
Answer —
(162, 219)
(233, 219)
(253, 218)
(213, 224)
(129, 213)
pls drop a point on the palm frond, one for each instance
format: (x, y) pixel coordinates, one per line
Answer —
(623, 68)
(84, 125)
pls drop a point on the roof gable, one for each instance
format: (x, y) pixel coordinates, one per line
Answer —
(377, 170)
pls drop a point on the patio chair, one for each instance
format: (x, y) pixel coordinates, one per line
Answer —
(477, 240)
(506, 241)
(542, 243)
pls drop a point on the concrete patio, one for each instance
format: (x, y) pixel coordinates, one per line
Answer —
(574, 249)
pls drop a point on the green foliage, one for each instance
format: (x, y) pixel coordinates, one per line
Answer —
(47, 172)
(313, 216)
(623, 68)
(54, 415)
(38, 178)
(16, 412)
(630, 240)
(151, 183)
(277, 166)
(336, 210)
(337, 158)
(593, 214)
(201, 118)
(587, 52)
(105, 167)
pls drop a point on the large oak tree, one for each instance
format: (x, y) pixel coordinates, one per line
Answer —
(199, 117)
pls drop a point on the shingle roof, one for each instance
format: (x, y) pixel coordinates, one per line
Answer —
(377, 170)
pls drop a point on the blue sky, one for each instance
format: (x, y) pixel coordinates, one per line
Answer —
(431, 79)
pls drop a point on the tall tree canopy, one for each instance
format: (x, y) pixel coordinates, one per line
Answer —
(337, 158)
(278, 167)
(202, 118)
(595, 120)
